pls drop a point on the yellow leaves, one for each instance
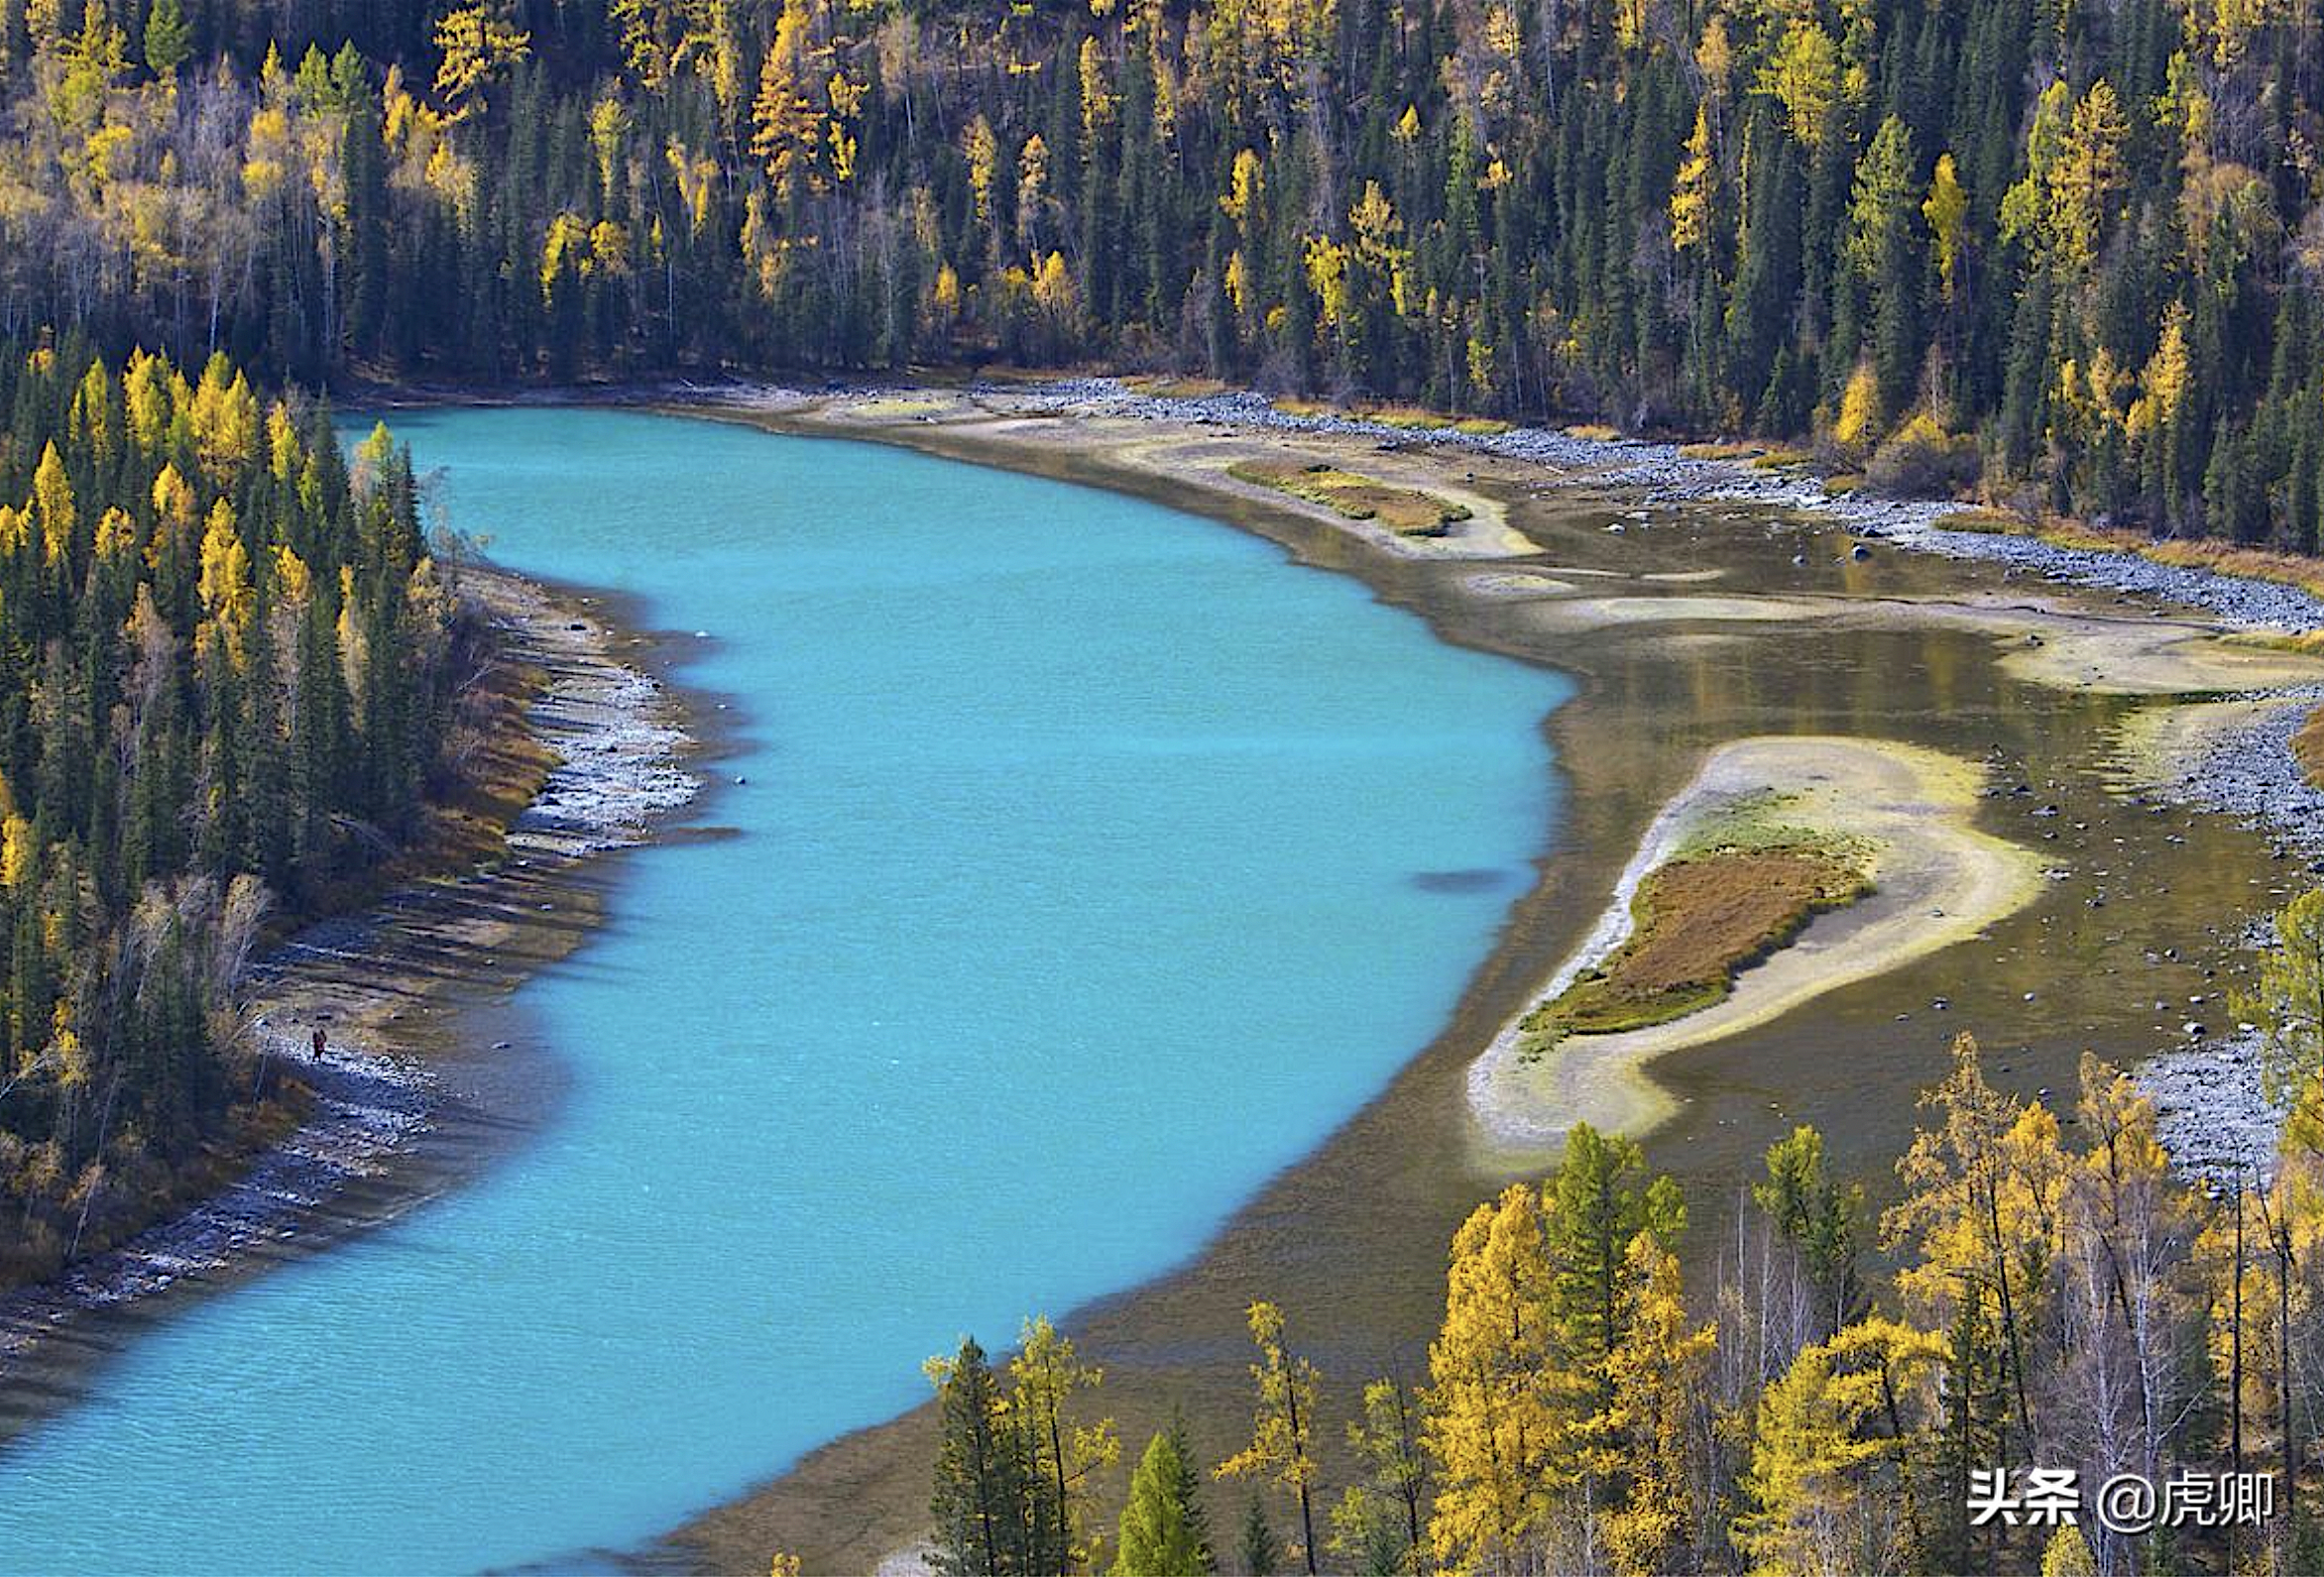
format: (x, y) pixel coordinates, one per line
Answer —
(225, 419)
(2288, 999)
(1246, 191)
(566, 247)
(1479, 358)
(2073, 172)
(1238, 281)
(294, 581)
(1373, 224)
(53, 506)
(1053, 290)
(947, 296)
(1408, 125)
(106, 153)
(1692, 188)
(1502, 36)
(225, 585)
(1799, 1480)
(1282, 1437)
(17, 852)
(1032, 187)
(2067, 1555)
(1097, 104)
(609, 248)
(1327, 277)
(91, 417)
(451, 177)
(16, 528)
(174, 499)
(116, 534)
(609, 131)
(1499, 1404)
(1857, 426)
(846, 99)
(2092, 393)
(1658, 1371)
(697, 182)
(267, 152)
(1715, 58)
(1804, 75)
(2234, 22)
(476, 46)
(1948, 212)
(146, 393)
(2083, 183)
(982, 151)
(70, 1057)
(786, 128)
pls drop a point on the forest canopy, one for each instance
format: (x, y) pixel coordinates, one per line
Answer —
(2067, 251)
(225, 666)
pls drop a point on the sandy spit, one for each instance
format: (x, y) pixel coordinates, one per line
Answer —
(1937, 880)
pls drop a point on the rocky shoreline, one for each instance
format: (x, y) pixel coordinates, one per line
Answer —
(616, 735)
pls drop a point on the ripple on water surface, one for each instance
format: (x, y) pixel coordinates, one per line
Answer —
(1072, 892)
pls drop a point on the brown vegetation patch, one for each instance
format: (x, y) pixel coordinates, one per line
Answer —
(1162, 385)
(1699, 920)
(1405, 511)
(2226, 558)
(2308, 745)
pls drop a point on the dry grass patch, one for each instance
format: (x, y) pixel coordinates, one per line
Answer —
(1741, 450)
(1594, 432)
(1412, 419)
(1162, 387)
(2259, 563)
(1781, 459)
(1698, 920)
(1993, 522)
(1405, 511)
(2308, 745)
(2226, 558)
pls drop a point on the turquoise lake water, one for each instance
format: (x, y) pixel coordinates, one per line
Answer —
(1074, 894)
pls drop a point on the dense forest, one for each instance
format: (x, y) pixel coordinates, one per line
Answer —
(2063, 251)
(224, 671)
(2044, 1293)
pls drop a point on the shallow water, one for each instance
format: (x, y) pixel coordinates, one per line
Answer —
(1093, 863)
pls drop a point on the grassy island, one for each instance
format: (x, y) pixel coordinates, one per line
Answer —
(1405, 511)
(1698, 920)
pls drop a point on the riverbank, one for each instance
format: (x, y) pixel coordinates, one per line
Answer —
(392, 989)
(1699, 602)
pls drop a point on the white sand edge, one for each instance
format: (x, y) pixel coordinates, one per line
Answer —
(1938, 880)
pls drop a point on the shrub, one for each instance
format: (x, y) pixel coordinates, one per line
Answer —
(1922, 460)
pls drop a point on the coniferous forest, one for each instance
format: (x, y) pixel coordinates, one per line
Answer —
(2061, 257)
(2062, 252)
(1831, 1403)
(224, 680)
